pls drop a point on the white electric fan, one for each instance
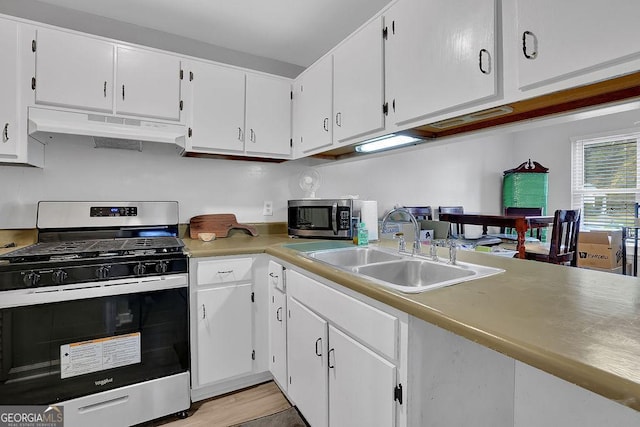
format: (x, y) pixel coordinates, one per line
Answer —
(309, 181)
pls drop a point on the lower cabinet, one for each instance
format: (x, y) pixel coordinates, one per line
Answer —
(277, 325)
(225, 343)
(336, 375)
(226, 325)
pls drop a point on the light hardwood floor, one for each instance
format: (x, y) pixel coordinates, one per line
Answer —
(227, 410)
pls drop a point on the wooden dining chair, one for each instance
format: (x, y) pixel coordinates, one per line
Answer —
(564, 239)
(420, 212)
(513, 210)
(459, 228)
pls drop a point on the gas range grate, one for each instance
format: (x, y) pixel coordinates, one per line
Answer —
(93, 248)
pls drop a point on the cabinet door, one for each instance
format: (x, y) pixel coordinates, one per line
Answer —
(313, 104)
(307, 362)
(148, 84)
(440, 55)
(358, 84)
(74, 71)
(268, 116)
(216, 110)
(9, 89)
(560, 39)
(225, 342)
(361, 385)
(278, 336)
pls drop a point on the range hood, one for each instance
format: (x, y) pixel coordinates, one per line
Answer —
(43, 122)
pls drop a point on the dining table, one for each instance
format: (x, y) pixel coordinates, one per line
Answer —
(520, 223)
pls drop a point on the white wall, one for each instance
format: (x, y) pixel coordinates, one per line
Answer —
(74, 170)
(465, 170)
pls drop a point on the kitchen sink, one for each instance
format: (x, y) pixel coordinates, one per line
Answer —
(353, 257)
(410, 274)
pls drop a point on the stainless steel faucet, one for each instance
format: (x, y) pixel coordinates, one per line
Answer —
(414, 221)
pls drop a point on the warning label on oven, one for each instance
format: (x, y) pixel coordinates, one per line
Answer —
(97, 355)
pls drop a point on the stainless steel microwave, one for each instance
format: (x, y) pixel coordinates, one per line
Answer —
(322, 218)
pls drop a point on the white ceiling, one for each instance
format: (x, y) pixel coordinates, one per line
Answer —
(294, 31)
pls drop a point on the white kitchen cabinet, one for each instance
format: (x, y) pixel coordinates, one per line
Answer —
(233, 112)
(307, 337)
(277, 324)
(148, 84)
(360, 384)
(440, 56)
(9, 88)
(215, 111)
(268, 116)
(222, 324)
(313, 108)
(344, 357)
(15, 79)
(77, 71)
(358, 84)
(225, 343)
(73, 71)
(563, 39)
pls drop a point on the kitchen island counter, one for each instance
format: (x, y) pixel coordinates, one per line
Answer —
(580, 325)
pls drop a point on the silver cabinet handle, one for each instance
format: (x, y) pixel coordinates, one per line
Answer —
(225, 272)
(204, 312)
(252, 135)
(239, 134)
(319, 352)
(5, 133)
(279, 314)
(339, 119)
(326, 124)
(483, 70)
(123, 92)
(533, 53)
(104, 89)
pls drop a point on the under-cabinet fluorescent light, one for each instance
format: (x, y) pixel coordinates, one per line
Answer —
(385, 142)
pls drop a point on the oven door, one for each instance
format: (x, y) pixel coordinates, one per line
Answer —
(61, 343)
(324, 218)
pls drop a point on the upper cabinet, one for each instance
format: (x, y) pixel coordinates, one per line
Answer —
(15, 146)
(440, 55)
(232, 112)
(564, 39)
(73, 71)
(215, 110)
(148, 84)
(77, 71)
(313, 108)
(268, 116)
(358, 85)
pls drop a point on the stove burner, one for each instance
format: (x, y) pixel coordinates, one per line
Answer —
(66, 250)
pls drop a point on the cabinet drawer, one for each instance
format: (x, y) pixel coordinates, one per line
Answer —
(224, 271)
(373, 327)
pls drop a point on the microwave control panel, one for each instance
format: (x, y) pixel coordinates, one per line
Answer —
(344, 218)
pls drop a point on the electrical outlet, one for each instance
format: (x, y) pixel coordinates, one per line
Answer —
(267, 209)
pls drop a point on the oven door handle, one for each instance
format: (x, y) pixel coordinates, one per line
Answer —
(45, 295)
(334, 215)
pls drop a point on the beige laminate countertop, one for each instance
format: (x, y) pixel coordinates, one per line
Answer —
(577, 324)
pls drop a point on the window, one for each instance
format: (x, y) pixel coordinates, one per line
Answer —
(605, 180)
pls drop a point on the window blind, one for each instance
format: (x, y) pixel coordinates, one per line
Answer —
(605, 180)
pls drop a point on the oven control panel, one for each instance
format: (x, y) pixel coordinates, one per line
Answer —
(101, 211)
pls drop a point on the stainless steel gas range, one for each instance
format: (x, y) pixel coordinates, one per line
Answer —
(94, 317)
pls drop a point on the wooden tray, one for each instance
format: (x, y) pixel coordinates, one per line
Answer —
(216, 223)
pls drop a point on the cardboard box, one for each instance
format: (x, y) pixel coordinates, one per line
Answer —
(600, 249)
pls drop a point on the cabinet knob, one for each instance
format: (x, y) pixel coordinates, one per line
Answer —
(534, 38)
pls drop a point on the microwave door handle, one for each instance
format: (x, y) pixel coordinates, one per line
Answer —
(334, 215)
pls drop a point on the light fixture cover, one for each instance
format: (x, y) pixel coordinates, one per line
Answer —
(385, 142)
